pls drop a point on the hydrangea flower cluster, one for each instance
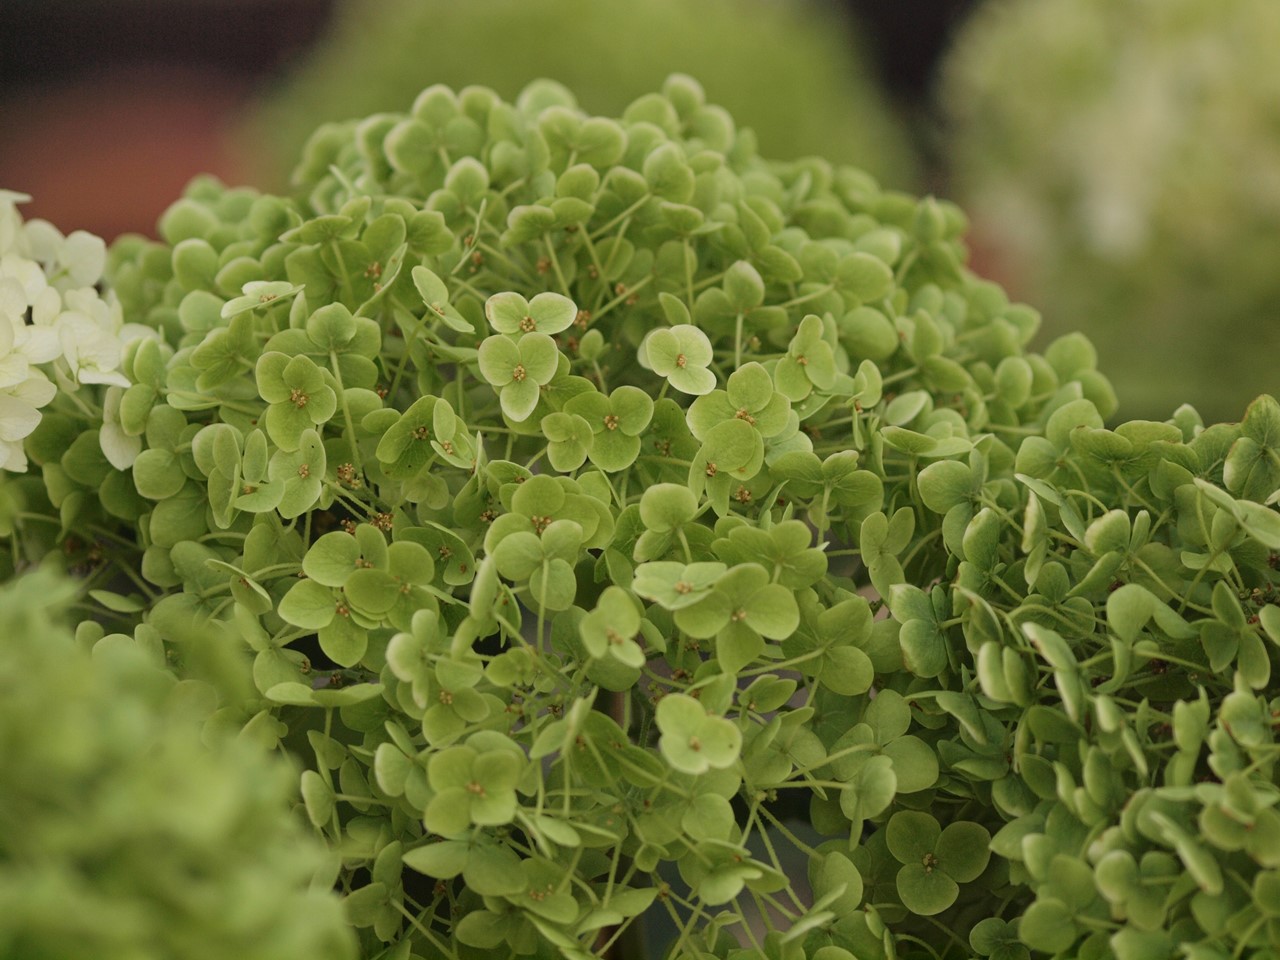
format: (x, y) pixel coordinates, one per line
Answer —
(57, 332)
(615, 523)
(131, 816)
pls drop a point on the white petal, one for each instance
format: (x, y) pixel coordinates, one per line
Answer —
(39, 344)
(85, 257)
(12, 457)
(26, 272)
(17, 419)
(46, 308)
(13, 299)
(43, 240)
(90, 375)
(37, 390)
(14, 369)
(121, 450)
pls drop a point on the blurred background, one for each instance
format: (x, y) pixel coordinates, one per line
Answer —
(1120, 159)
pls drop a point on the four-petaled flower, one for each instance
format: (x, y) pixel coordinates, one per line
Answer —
(299, 396)
(681, 354)
(472, 788)
(518, 369)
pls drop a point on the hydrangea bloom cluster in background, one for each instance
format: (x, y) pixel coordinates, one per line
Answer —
(1131, 180)
(791, 70)
(128, 820)
(56, 330)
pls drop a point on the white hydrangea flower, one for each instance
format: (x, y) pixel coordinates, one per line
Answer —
(56, 331)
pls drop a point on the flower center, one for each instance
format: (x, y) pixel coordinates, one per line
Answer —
(528, 324)
(475, 788)
(304, 470)
(613, 636)
(298, 397)
(929, 861)
(803, 361)
(518, 373)
(446, 697)
(682, 361)
(421, 433)
(738, 615)
(683, 586)
(695, 744)
(745, 415)
(611, 422)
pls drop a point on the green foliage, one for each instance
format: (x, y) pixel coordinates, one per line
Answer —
(1120, 179)
(130, 815)
(571, 635)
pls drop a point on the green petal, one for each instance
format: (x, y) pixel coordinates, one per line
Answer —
(498, 356)
(737, 645)
(792, 379)
(519, 399)
(372, 591)
(750, 387)
(506, 311)
(720, 741)
(633, 408)
(269, 372)
(773, 612)
(285, 423)
(552, 312)
(963, 850)
(308, 605)
(926, 892)
(343, 642)
(695, 381)
(449, 812)
(332, 559)
(451, 769)
(911, 836)
(613, 451)
(540, 357)
(706, 618)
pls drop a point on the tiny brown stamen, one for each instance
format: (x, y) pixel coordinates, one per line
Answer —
(611, 422)
(518, 373)
(298, 398)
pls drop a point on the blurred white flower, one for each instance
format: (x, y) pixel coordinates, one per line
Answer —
(57, 332)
